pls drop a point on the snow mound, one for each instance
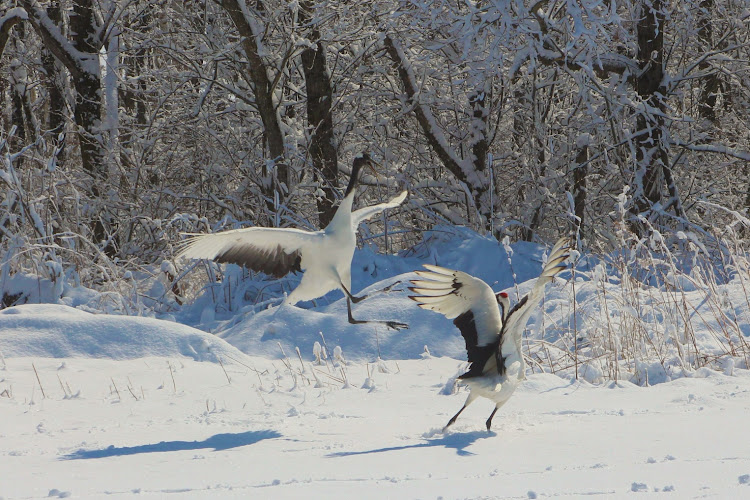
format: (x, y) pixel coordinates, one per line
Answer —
(261, 333)
(58, 331)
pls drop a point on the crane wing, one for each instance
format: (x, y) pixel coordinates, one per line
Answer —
(470, 302)
(365, 213)
(516, 319)
(274, 251)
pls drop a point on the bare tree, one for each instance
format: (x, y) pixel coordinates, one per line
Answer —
(80, 56)
(275, 174)
(319, 101)
(55, 80)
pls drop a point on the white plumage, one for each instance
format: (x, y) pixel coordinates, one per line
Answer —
(492, 331)
(325, 256)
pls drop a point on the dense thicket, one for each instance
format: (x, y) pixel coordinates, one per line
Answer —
(126, 122)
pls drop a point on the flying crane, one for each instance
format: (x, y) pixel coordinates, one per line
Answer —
(325, 256)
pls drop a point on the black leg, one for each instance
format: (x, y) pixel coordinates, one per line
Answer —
(349, 313)
(453, 420)
(357, 300)
(489, 420)
(395, 325)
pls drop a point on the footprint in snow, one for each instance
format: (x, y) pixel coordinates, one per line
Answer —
(636, 487)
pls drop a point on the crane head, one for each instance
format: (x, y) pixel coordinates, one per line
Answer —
(504, 303)
(363, 160)
(360, 161)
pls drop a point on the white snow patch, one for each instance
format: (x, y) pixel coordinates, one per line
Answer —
(57, 331)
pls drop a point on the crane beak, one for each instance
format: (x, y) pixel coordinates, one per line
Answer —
(372, 164)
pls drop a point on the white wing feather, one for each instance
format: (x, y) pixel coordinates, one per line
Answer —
(452, 293)
(365, 213)
(209, 246)
(519, 316)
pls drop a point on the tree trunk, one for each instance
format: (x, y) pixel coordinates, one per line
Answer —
(88, 117)
(580, 170)
(320, 118)
(16, 100)
(527, 232)
(472, 173)
(651, 152)
(88, 94)
(18, 86)
(53, 82)
(480, 148)
(133, 98)
(711, 83)
(11, 198)
(278, 174)
(83, 65)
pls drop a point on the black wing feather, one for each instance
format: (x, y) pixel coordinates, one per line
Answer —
(476, 355)
(513, 309)
(275, 262)
(465, 323)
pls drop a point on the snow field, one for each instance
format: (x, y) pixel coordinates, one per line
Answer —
(177, 428)
(155, 408)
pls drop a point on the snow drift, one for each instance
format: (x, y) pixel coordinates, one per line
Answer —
(57, 331)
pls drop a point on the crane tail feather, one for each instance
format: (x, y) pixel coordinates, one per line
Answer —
(439, 278)
(432, 292)
(438, 270)
(430, 285)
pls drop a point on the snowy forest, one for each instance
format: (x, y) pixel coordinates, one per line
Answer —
(133, 362)
(128, 123)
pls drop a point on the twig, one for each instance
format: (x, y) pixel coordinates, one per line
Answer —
(225, 370)
(39, 380)
(330, 376)
(61, 385)
(325, 346)
(285, 359)
(132, 393)
(115, 386)
(174, 384)
(299, 355)
(247, 366)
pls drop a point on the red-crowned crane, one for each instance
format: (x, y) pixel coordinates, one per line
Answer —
(492, 331)
(325, 256)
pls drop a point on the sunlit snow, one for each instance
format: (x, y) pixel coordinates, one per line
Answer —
(298, 403)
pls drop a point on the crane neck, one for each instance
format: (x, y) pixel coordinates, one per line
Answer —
(356, 169)
(343, 216)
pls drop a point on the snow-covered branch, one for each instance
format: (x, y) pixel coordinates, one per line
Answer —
(714, 148)
(461, 168)
(75, 61)
(7, 21)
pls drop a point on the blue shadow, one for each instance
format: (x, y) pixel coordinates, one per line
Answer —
(458, 442)
(218, 442)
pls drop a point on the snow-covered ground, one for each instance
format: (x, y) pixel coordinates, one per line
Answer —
(177, 428)
(103, 406)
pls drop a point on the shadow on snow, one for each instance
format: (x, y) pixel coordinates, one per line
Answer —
(218, 442)
(458, 442)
